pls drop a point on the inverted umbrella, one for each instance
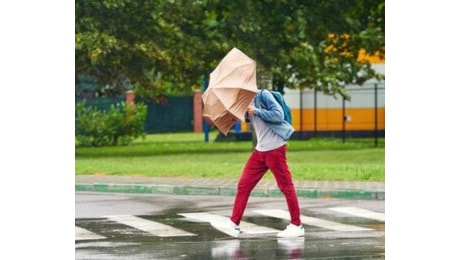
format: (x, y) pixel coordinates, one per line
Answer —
(232, 86)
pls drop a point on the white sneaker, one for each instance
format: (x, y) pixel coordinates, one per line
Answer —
(292, 231)
(228, 227)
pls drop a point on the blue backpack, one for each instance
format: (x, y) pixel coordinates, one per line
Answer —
(286, 109)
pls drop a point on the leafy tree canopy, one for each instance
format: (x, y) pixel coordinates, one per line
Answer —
(162, 47)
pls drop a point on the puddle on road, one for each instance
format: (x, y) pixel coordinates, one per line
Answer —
(124, 242)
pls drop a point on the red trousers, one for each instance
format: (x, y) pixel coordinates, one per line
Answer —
(255, 168)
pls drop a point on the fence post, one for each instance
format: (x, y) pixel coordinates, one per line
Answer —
(301, 113)
(197, 112)
(376, 115)
(344, 118)
(315, 123)
(206, 126)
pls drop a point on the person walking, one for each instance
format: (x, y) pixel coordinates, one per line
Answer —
(267, 120)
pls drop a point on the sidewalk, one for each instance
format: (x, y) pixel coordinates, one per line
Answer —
(226, 187)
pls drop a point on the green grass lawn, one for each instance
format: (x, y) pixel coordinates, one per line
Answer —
(187, 155)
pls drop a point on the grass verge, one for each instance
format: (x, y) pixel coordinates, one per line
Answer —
(187, 155)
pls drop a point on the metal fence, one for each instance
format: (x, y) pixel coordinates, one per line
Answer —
(319, 115)
(174, 115)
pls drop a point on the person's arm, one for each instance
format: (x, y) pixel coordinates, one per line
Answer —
(273, 112)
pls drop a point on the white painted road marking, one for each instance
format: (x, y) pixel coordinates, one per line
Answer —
(217, 221)
(149, 226)
(162, 230)
(83, 234)
(363, 213)
(317, 222)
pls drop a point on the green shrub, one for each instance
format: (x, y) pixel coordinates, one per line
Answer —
(120, 125)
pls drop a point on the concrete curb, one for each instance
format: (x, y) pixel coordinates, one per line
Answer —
(225, 191)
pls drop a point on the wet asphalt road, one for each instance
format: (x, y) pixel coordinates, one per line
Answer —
(102, 234)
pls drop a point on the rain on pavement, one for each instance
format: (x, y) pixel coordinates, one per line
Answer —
(178, 227)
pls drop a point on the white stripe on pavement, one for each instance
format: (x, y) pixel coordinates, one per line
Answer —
(217, 221)
(83, 234)
(359, 212)
(149, 226)
(317, 222)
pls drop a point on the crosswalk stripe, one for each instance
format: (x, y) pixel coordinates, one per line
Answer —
(149, 226)
(359, 212)
(83, 234)
(317, 222)
(217, 220)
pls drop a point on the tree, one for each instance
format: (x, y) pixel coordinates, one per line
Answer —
(162, 47)
(308, 44)
(126, 43)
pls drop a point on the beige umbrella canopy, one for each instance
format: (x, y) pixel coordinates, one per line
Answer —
(232, 86)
